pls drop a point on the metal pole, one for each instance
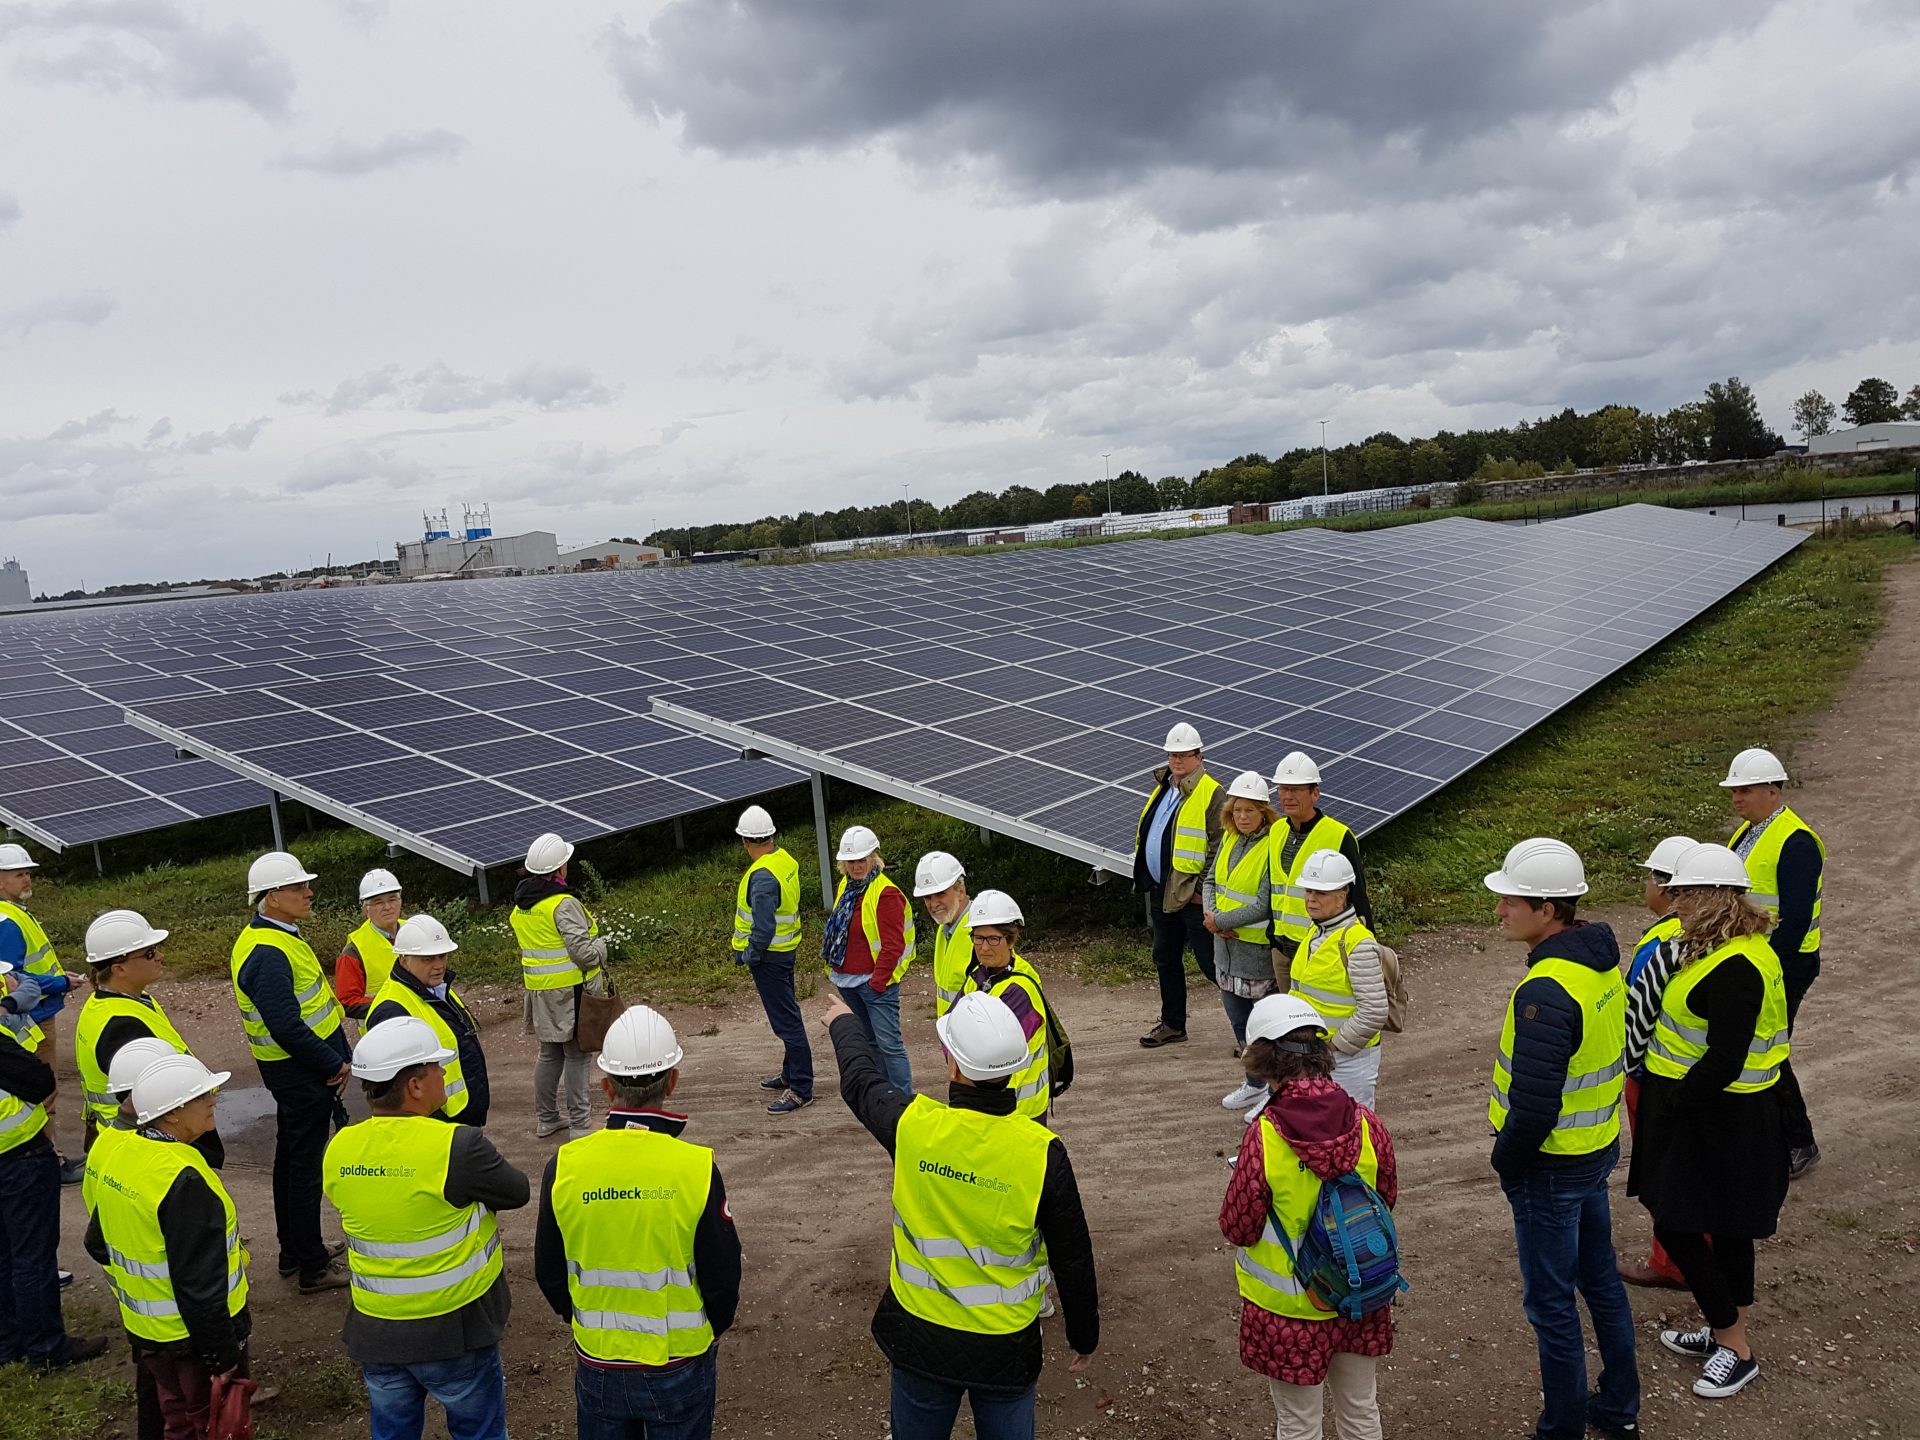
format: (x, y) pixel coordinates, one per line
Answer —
(480, 881)
(99, 866)
(820, 839)
(679, 833)
(907, 491)
(1323, 460)
(1108, 457)
(273, 809)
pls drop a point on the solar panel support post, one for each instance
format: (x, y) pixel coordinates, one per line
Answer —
(99, 865)
(480, 881)
(820, 836)
(273, 811)
(986, 836)
(679, 833)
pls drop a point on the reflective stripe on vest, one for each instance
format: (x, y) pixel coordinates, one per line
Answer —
(1319, 973)
(413, 1256)
(376, 956)
(19, 1121)
(1264, 1273)
(1291, 923)
(870, 920)
(1189, 822)
(40, 958)
(627, 1203)
(1032, 1084)
(544, 962)
(1680, 1035)
(416, 1005)
(1762, 857)
(1240, 879)
(966, 1187)
(952, 957)
(318, 1008)
(127, 1200)
(1596, 1072)
(102, 1007)
(786, 919)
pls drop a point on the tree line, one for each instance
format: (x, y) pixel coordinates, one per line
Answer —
(1872, 402)
(1724, 424)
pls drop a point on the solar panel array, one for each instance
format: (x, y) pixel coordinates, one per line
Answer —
(1399, 659)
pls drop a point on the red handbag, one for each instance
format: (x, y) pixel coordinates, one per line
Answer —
(230, 1410)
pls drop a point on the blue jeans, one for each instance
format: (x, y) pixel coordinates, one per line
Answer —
(925, 1409)
(880, 1017)
(1238, 1008)
(1563, 1230)
(471, 1389)
(672, 1404)
(773, 978)
(30, 1323)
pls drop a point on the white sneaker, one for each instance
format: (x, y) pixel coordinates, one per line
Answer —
(1254, 1113)
(1245, 1095)
(1046, 1304)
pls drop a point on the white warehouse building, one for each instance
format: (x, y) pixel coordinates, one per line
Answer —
(15, 592)
(1887, 435)
(535, 552)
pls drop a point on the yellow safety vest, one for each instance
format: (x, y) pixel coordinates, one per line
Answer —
(1189, 823)
(1240, 878)
(1291, 923)
(1320, 973)
(19, 1121)
(627, 1203)
(128, 1200)
(318, 1008)
(410, 1001)
(1596, 1072)
(967, 1253)
(413, 1256)
(40, 957)
(1264, 1272)
(952, 957)
(106, 1140)
(786, 920)
(1680, 1036)
(376, 956)
(100, 1008)
(870, 919)
(544, 962)
(1033, 1085)
(1763, 868)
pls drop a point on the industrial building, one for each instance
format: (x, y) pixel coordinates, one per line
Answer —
(15, 592)
(1887, 435)
(611, 555)
(476, 550)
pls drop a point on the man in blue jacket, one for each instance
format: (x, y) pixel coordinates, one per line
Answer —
(24, 946)
(1558, 1089)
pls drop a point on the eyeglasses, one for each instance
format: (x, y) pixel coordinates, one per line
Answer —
(152, 952)
(990, 941)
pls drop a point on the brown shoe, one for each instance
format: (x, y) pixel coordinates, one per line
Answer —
(334, 1277)
(1648, 1276)
(1162, 1034)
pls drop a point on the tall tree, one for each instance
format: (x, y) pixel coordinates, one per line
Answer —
(1617, 435)
(1872, 402)
(1910, 407)
(1736, 430)
(1813, 414)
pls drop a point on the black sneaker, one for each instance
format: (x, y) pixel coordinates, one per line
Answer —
(73, 1171)
(1725, 1374)
(788, 1103)
(1801, 1159)
(1694, 1344)
(774, 1083)
(66, 1278)
(334, 1252)
(75, 1352)
(1612, 1429)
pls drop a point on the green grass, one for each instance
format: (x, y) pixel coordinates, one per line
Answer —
(71, 1404)
(1634, 760)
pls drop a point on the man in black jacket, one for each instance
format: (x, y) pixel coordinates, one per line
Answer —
(422, 986)
(986, 1348)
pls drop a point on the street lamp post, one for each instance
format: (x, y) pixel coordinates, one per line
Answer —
(907, 491)
(1324, 492)
(1108, 457)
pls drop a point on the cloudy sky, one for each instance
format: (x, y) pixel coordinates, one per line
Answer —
(274, 278)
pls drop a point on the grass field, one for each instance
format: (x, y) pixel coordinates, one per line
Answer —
(1634, 761)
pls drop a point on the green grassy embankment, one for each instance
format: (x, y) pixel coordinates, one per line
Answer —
(1634, 761)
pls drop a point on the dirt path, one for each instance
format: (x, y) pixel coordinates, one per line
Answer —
(1836, 1325)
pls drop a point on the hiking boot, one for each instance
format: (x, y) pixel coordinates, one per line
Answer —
(73, 1171)
(1694, 1344)
(76, 1351)
(334, 1277)
(1725, 1374)
(1244, 1096)
(334, 1252)
(1162, 1034)
(1651, 1278)
(542, 1130)
(788, 1103)
(773, 1082)
(1612, 1429)
(1800, 1159)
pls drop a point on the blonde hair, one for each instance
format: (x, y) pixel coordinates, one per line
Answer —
(1268, 814)
(879, 865)
(1719, 915)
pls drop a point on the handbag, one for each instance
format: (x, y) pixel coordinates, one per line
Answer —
(230, 1408)
(597, 1014)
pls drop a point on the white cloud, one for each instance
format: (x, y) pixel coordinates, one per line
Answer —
(85, 309)
(438, 389)
(344, 157)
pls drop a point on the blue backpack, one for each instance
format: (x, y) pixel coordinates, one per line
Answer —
(1349, 1257)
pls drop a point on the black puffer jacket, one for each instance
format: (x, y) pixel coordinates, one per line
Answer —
(1547, 1030)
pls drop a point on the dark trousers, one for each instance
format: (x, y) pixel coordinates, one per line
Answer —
(305, 1124)
(1563, 1231)
(631, 1403)
(925, 1409)
(773, 978)
(182, 1390)
(30, 1325)
(1719, 1272)
(1794, 1120)
(1173, 936)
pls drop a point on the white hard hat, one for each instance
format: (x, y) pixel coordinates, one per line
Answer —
(1296, 768)
(1714, 865)
(983, 1035)
(422, 935)
(274, 869)
(15, 857)
(170, 1082)
(1755, 767)
(1326, 870)
(1181, 738)
(857, 842)
(393, 1045)
(994, 907)
(120, 932)
(639, 1042)
(547, 854)
(937, 871)
(1274, 1017)
(1248, 785)
(1540, 869)
(378, 882)
(131, 1060)
(1667, 852)
(755, 824)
